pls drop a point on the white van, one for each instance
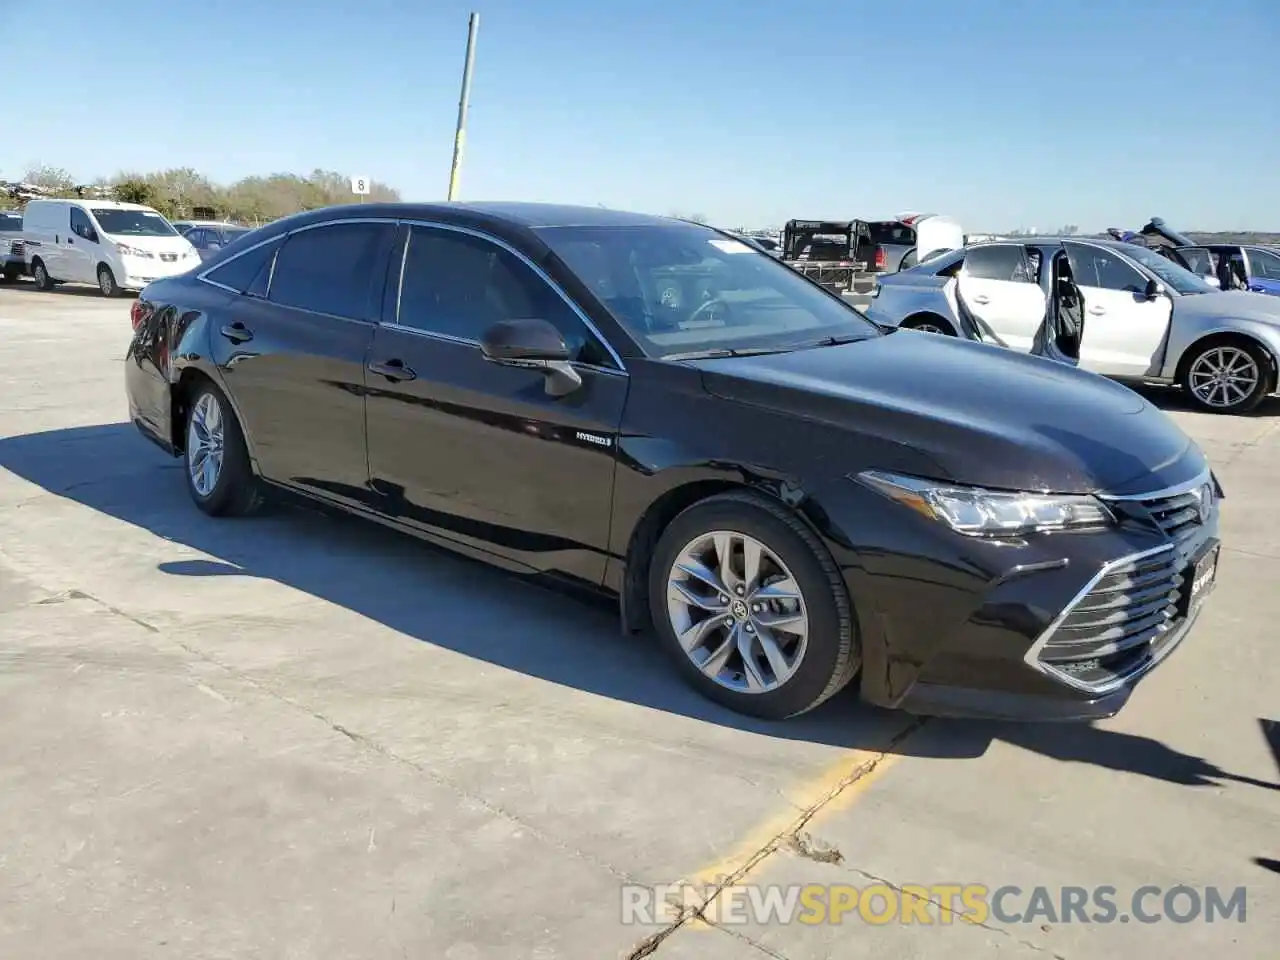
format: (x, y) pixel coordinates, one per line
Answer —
(116, 246)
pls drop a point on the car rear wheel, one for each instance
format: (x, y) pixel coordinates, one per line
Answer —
(751, 606)
(219, 476)
(1228, 376)
(107, 282)
(41, 275)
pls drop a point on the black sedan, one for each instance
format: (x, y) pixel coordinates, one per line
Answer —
(790, 495)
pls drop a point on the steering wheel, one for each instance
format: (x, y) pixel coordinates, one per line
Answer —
(705, 306)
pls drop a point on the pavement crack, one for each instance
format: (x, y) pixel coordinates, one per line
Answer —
(945, 910)
(784, 839)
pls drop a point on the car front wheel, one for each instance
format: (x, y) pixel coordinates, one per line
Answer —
(753, 609)
(1227, 377)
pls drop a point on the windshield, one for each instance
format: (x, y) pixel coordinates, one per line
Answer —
(682, 288)
(1176, 277)
(10, 222)
(132, 223)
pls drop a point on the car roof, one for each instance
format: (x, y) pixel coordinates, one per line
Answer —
(1057, 241)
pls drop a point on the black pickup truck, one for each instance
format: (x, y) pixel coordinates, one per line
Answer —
(831, 252)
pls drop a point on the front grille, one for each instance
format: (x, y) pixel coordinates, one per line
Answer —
(1179, 515)
(1117, 625)
(15, 247)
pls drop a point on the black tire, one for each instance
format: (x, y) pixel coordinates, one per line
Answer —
(924, 321)
(41, 275)
(107, 281)
(832, 657)
(1266, 376)
(236, 492)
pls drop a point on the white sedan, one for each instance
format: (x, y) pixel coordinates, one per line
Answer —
(1113, 308)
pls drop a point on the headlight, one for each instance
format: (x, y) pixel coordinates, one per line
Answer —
(976, 512)
(128, 251)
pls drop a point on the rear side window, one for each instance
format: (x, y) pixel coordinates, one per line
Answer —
(331, 269)
(247, 273)
(996, 263)
(1264, 265)
(892, 232)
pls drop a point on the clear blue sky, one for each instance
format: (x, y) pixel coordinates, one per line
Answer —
(1003, 113)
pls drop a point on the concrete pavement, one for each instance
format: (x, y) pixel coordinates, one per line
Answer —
(300, 736)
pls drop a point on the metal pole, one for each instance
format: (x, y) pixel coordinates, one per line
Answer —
(460, 136)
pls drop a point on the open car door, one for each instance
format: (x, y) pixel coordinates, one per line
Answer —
(1062, 332)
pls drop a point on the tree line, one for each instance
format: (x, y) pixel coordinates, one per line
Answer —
(179, 193)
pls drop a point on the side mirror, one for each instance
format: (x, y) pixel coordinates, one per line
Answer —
(1153, 289)
(91, 235)
(532, 345)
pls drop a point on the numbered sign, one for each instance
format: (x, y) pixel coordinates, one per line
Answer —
(360, 186)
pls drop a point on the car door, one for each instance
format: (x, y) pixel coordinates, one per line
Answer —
(997, 285)
(477, 453)
(1263, 271)
(82, 251)
(291, 349)
(1125, 330)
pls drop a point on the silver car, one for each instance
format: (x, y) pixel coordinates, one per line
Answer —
(1112, 308)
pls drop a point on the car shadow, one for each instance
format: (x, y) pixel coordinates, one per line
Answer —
(468, 607)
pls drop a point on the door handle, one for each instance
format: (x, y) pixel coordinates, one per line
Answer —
(1096, 311)
(981, 299)
(70, 242)
(237, 332)
(393, 370)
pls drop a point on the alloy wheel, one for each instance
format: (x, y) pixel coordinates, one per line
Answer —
(737, 611)
(206, 437)
(1224, 377)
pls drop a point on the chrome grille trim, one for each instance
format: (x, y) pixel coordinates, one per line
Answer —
(1125, 624)
(1175, 510)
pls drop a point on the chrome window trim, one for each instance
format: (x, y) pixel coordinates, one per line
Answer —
(203, 275)
(1032, 657)
(538, 271)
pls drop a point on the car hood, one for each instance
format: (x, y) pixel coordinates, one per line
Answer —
(984, 415)
(1229, 304)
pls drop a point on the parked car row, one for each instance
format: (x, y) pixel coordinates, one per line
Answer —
(1113, 308)
(792, 496)
(112, 245)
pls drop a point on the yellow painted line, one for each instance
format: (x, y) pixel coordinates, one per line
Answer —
(837, 787)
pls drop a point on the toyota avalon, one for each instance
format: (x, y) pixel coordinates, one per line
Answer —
(790, 496)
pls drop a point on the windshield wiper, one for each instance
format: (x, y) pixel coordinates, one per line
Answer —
(828, 342)
(720, 352)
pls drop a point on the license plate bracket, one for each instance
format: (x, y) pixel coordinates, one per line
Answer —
(1199, 580)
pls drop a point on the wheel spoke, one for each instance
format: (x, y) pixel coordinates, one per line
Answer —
(700, 571)
(694, 637)
(773, 653)
(751, 555)
(714, 664)
(786, 589)
(724, 560)
(750, 668)
(685, 595)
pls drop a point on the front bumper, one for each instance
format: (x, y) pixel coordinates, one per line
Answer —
(1055, 627)
(138, 272)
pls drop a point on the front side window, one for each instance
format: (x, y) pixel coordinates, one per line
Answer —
(331, 269)
(997, 262)
(132, 223)
(1105, 269)
(681, 288)
(460, 285)
(1264, 264)
(10, 222)
(80, 224)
